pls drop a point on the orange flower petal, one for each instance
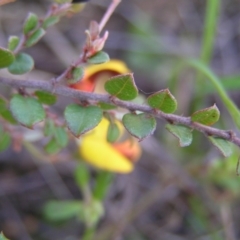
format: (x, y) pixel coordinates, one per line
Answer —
(129, 148)
(111, 68)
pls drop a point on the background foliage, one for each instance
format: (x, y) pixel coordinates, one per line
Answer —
(174, 193)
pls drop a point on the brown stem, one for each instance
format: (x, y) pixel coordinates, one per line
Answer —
(108, 14)
(2, 2)
(86, 96)
(82, 57)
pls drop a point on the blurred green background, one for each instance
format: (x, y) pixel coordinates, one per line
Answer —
(174, 193)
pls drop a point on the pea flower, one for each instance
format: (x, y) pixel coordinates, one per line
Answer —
(94, 147)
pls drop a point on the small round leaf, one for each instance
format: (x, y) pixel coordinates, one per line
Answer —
(82, 119)
(22, 64)
(50, 21)
(76, 75)
(207, 116)
(46, 97)
(222, 145)
(13, 42)
(26, 110)
(52, 147)
(6, 57)
(49, 127)
(139, 125)
(61, 136)
(163, 100)
(98, 58)
(183, 133)
(35, 37)
(122, 87)
(106, 106)
(30, 23)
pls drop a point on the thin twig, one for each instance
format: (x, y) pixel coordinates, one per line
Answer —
(108, 13)
(3, 2)
(87, 50)
(86, 96)
(52, 11)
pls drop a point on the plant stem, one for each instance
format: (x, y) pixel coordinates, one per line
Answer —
(108, 14)
(102, 184)
(209, 32)
(229, 104)
(89, 233)
(210, 26)
(106, 98)
(82, 58)
(214, 80)
(2, 2)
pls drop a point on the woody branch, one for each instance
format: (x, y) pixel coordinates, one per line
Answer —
(106, 98)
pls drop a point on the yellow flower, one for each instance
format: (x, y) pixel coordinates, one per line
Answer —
(96, 75)
(93, 146)
(118, 157)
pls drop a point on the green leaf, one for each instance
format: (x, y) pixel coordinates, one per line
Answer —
(26, 110)
(5, 141)
(30, 23)
(163, 100)
(61, 137)
(98, 58)
(76, 76)
(103, 182)
(13, 42)
(106, 106)
(207, 116)
(183, 133)
(23, 63)
(229, 83)
(122, 87)
(5, 113)
(82, 119)
(2, 104)
(52, 20)
(81, 175)
(6, 57)
(113, 132)
(2, 237)
(61, 210)
(35, 37)
(46, 97)
(223, 145)
(52, 147)
(92, 212)
(139, 125)
(49, 127)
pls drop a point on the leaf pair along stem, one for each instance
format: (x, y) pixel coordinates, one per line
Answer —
(84, 55)
(94, 98)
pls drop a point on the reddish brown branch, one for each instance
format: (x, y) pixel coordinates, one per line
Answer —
(94, 97)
